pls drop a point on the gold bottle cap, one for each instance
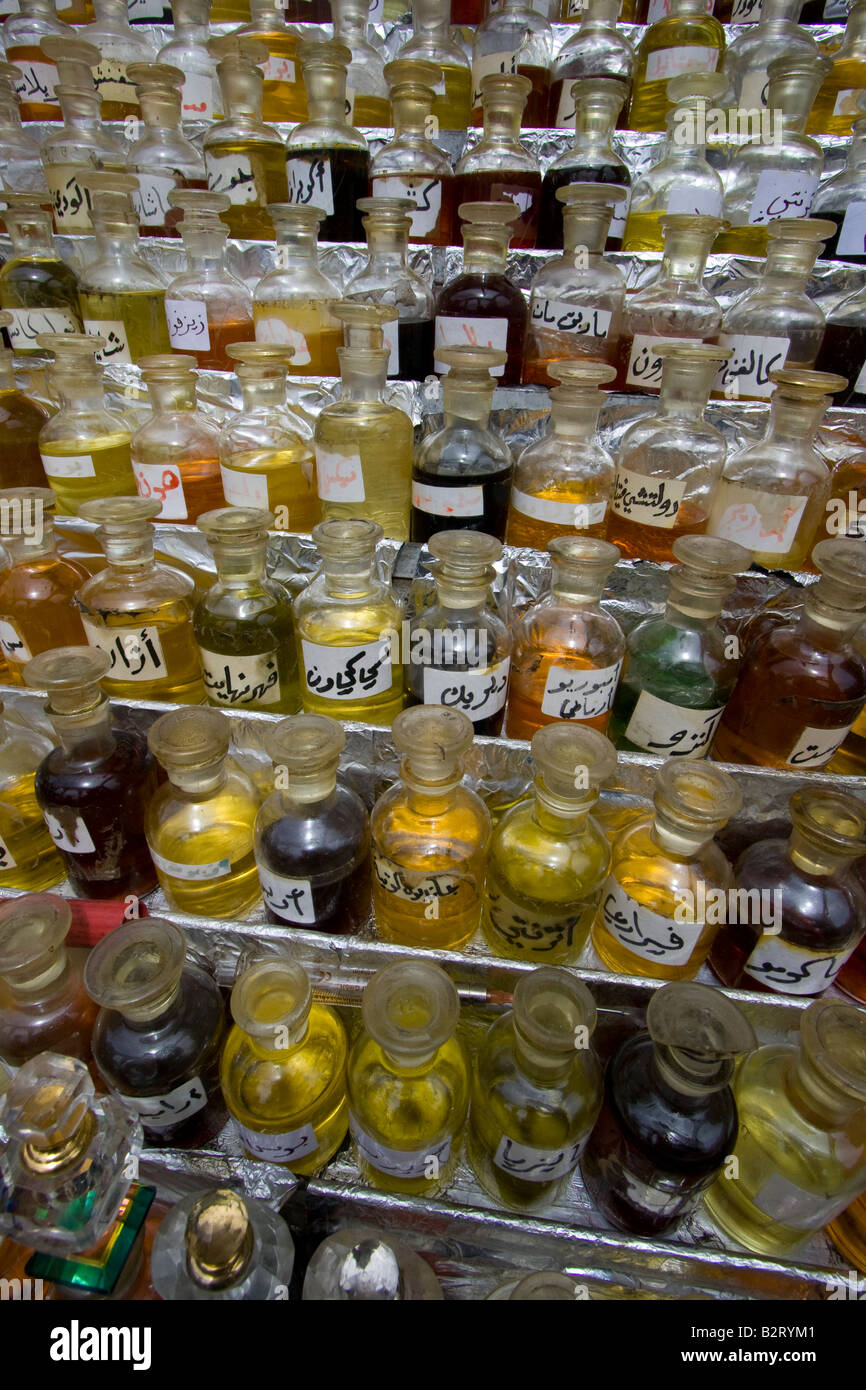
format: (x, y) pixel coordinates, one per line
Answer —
(148, 77)
(219, 1240)
(834, 1039)
(136, 969)
(193, 737)
(550, 1004)
(200, 205)
(352, 538)
(693, 800)
(412, 72)
(433, 740)
(698, 1034)
(705, 573)
(271, 1001)
(307, 748)
(410, 1008)
(33, 932)
(235, 528)
(571, 762)
(71, 676)
(49, 1108)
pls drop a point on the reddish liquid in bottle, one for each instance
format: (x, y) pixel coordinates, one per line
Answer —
(843, 350)
(488, 296)
(221, 335)
(550, 223)
(535, 113)
(499, 186)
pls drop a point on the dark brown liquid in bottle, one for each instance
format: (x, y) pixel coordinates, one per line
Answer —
(831, 252)
(499, 186)
(350, 180)
(843, 350)
(321, 849)
(415, 348)
(535, 114)
(487, 295)
(550, 222)
(495, 485)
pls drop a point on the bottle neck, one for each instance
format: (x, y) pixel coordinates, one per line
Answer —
(684, 259)
(82, 392)
(822, 1104)
(685, 388)
(789, 265)
(160, 112)
(574, 419)
(854, 41)
(32, 239)
(86, 739)
(812, 858)
(268, 393)
(172, 395)
(502, 125)
(297, 247)
(200, 783)
(411, 115)
(587, 228)
(362, 384)
(465, 598)
(594, 123)
(556, 817)
(352, 578)
(482, 254)
(7, 371)
(794, 422)
(544, 1068)
(22, 548)
(388, 246)
(240, 569)
(79, 113)
(205, 250)
(42, 984)
(10, 116)
(115, 243)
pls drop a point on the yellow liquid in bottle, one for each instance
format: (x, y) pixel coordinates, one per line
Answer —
(848, 75)
(80, 469)
(37, 865)
(361, 627)
(214, 839)
(142, 313)
(746, 240)
(377, 440)
(522, 530)
(291, 482)
(643, 232)
(248, 221)
(424, 894)
(453, 111)
(650, 103)
(371, 111)
(660, 898)
(283, 98)
(308, 328)
(155, 649)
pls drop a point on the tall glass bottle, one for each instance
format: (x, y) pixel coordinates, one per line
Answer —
(680, 668)
(461, 474)
(563, 482)
(206, 306)
(666, 867)
(843, 350)
(837, 103)
(777, 34)
(283, 97)
(84, 447)
(222, 1245)
(265, 460)
(433, 42)
(841, 200)
(29, 859)
(81, 142)
(346, 621)
(21, 420)
(549, 859)
(514, 38)
(290, 303)
(499, 168)
(23, 35)
(459, 648)
(23, 166)
(595, 105)
(313, 832)
(595, 49)
(38, 586)
(387, 280)
(244, 158)
(410, 165)
(93, 788)
(669, 1117)
(119, 47)
(568, 652)
(138, 610)
(44, 1006)
(161, 158)
(408, 1079)
(367, 91)
(160, 1029)
(187, 49)
(283, 1068)
(686, 40)
(38, 289)
(480, 306)
(669, 463)
(328, 160)
(430, 836)
(175, 453)
(802, 686)
(772, 495)
(199, 823)
(243, 622)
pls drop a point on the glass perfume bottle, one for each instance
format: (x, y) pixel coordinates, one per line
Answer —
(563, 482)
(514, 38)
(199, 824)
(848, 1233)
(499, 168)
(346, 621)
(430, 835)
(776, 34)
(23, 35)
(459, 648)
(432, 42)
(119, 47)
(283, 1068)
(44, 1006)
(480, 306)
(461, 474)
(411, 166)
(837, 102)
(21, 421)
(28, 858)
(686, 40)
(365, 1265)
(568, 652)
(93, 788)
(122, 298)
(207, 307)
(682, 179)
(800, 1150)
(159, 1033)
(81, 142)
(222, 1245)
(681, 667)
(265, 459)
(162, 159)
(595, 104)
(843, 350)
(84, 447)
(290, 303)
(313, 832)
(596, 49)
(187, 49)
(536, 1091)
(666, 867)
(283, 96)
(243, 623)
(669, 463)
(328, 160)
(245, 159)
(819, 904)
(175, 453)
(576, 300)
(803, 685)
(367, 90)
(840, 200)
(549, 859)
(38, 289)
(408, 1079)
(63, 1168)
(23, 165)
(669, 1117)
(772, 494)
(39, 585)
(386, 280)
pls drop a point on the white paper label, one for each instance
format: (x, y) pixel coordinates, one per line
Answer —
(192, 873)
(347, 673)
(657, 726)
(163, 1112)
(340, 476)
(72, 834)
(781, 193)
(112, 82)
(557, 316)
(648, 501)
(400, 1163)
(150, 199)
(12, 643)
(859, 390)
(753, 94)
(846, 102)
(764, 522)
(793, 1206)
(852, 234)
(235, 681)
(644, 365)
(197, 98)
(274, 330)
(290, 898)
(414, 887)
(753, 359)
(565, 109)
(448, 501)
(536, 1165)
(426, 194)
(450, 332)
(289, 1147)
(278, 69)
(113, 331)
(666, 63)
(164, 482)
(28, 323)
(706, 202)
(579, 694)
(580, 515)
(815, 747)
(68, 465)
(646, 933)
(7, 858)
(233, 175)
(310, 183)
(487, 63)
(788, 969)
(71, 204)
(187, 324)
(243, 489)
(37, 83)
(479, 694)
(136, 652)
(390, 340)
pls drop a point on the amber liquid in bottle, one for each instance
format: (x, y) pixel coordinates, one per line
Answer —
(494, 186)
(535, 115)
(639, 542)
(221, 336)
(415, 348)
(350, 180)
(21, 419)
(490, 297)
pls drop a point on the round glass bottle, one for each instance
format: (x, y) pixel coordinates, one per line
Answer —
(432, 41)
(23, 34)
(328, 160)
(223, 1246)
(514, 38)
(290, 303)
(21, 420)
(499, 168)
(411, 166)
(367, 89)
(837, 101)
(283, 96)
(386, 280)
(38, 610)
(82, 142)
(175, 453)
(207, 307)
(685, 40)
(596, 102)
(597, 49)
(37, 288)
(44, 1006)
(187, 49)
(244, 158)
(161, 158)
(29, 859)
(840, 200)
(119, 47)
(480, 306)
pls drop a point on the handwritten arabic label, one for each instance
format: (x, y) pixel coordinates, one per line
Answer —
(413, 887)
(580, 515)
(558, 316)
(490, 62)
(164, 1112)
(150, 199)
(754, 357)
(663, 1198)
(288, 1147)
(71, 204)
(310, 183)
(340, 476)
(37, 83)
(70, 834)
(12, 644)
(754, 90)
(746, 12)
(192, 873)
(646, 933)
(657, 726)
(136, 653)
(846, 102)
(233, 175)
(450, 332)
(243, 489)
(28, 323)
(764, 522)
(290, 898)
(479, 694)
(68, 465)
(448, 501)
(852, 235)
(7, 858)
(537, 1165)
(112, 82)
(815, 747)
(533, 930)
(197, 98)
(650, 501)
(780, 193)
(114, 332)
(398, 1163)
(579, 694)
(783, 1201)
(703, 201)
(187, 324)
(164, 482)
(644, 365)
(347, 673)
(241, 680)
(278, 69)
(666, 63)
(425, 193)
(787, 969)
(565, 110)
